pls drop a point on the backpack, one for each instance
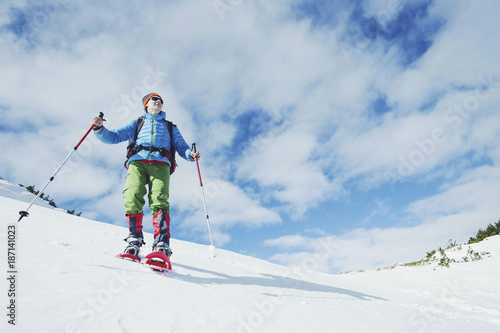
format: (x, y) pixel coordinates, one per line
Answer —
(132, 149)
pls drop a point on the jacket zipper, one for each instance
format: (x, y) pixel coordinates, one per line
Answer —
(152, 140)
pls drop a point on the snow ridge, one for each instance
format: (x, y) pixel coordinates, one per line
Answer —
(67, 280)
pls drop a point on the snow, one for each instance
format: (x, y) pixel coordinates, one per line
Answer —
(68, 280)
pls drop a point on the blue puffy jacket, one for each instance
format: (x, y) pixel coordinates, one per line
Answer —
(154, 133)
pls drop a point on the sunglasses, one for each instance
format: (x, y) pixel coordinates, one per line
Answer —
(154, 98)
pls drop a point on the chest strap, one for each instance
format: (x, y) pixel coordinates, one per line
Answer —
(163, 152)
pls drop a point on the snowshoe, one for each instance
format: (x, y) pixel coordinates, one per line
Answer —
(128, 256)
(158, 261)
(131, 252)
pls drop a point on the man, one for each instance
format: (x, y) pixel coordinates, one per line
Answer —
(148, 169)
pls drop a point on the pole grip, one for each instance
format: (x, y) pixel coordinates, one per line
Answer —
(101, 115)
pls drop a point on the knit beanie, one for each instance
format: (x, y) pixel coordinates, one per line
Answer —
(146, 98)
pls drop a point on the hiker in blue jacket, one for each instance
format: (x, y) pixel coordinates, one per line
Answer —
(149, 168)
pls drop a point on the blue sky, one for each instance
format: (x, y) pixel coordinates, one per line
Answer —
(356, 133)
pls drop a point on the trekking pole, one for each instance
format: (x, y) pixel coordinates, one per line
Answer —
(193, 148)
(25, 213)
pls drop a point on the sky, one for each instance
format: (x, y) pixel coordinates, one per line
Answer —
(361, 133)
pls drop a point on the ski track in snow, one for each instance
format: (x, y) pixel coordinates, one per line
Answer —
(69, 281)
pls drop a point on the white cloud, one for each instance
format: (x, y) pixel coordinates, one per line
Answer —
(285, 165)
(460, 55)
(457, 212)
(378, 248)
(477, 190)
(323, 141)
(228, 206)
(287, 241)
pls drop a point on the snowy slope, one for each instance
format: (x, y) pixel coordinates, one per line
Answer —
(69, 281)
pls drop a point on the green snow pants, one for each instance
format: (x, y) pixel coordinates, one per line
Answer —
(144, 178)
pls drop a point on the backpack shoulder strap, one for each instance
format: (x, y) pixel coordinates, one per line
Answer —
(138, 127)
(131, 143)
(173, 164)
